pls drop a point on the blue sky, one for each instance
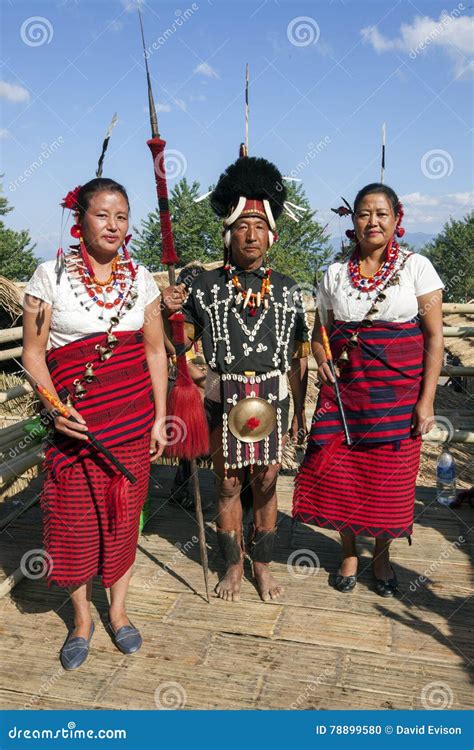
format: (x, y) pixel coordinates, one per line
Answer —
(324, 76)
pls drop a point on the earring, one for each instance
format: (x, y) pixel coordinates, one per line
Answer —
(75, 231)
(227, 238)
(271, 238)
(350, 233)
(399, 231)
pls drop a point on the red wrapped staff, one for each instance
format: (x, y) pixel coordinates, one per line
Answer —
(184, 401)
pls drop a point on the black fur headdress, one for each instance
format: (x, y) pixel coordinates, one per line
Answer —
(253, 178)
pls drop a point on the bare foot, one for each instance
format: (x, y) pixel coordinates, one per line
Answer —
(348, 566)
(267, 587)
(228, 587)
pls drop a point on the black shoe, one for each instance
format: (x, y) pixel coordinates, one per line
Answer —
(345, 584)
(386, 587)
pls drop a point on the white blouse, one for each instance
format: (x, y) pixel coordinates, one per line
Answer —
(70, 320)
(417, 277)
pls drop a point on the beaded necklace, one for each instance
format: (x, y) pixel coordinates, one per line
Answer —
(87, 288)
(369, 283)
(252, 300)
(91, 291)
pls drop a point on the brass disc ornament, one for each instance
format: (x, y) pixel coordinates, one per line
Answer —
(252, 419)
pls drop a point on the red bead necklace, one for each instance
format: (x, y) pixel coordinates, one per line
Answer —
(368, 284)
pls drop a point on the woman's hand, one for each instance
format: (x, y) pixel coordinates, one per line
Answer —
(423, 417)
(158, 439)
(324, 373)
(72, 429)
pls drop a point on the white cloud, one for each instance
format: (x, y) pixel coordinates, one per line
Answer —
(421, 208)
(13, 92)
(197, 98)
(451, 32)
(206, 70)
(4, 133)
(162, 107)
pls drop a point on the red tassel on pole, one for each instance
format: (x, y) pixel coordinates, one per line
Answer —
(185, 404)
(157, 148)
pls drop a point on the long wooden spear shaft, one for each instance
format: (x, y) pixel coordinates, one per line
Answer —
(170, 258)
(332, 367)
(382, 167)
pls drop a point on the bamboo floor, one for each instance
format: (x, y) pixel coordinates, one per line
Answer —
(314, 649)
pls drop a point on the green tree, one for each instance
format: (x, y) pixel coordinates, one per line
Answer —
(197, 231)
(17, 261)
(302, 250)
(452, 254)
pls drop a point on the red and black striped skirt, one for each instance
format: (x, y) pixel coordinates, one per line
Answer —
(80, 535)
(365, 489)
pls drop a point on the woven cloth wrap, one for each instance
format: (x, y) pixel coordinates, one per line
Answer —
(118, 406)
(379, 385)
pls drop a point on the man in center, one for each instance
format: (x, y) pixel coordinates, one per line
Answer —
(254, 333)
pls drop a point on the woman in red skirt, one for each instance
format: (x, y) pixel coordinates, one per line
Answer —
(92, 336)
(383, 310)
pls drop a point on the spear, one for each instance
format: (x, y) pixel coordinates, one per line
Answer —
(382, 168)
(184, 401)
(327, 350)
(105, 144)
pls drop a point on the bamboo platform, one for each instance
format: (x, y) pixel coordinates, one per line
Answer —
(316, 649)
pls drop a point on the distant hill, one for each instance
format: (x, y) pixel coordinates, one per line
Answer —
(415, 239)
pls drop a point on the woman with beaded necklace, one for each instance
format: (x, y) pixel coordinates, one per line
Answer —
(383, 311)
(93, 337)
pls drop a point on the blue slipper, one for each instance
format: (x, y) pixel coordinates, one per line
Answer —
(75, 650)
(127, 638)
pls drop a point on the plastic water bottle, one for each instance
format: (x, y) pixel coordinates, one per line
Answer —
(446, 478)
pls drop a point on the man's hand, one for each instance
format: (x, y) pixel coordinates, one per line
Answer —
(173, 298)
